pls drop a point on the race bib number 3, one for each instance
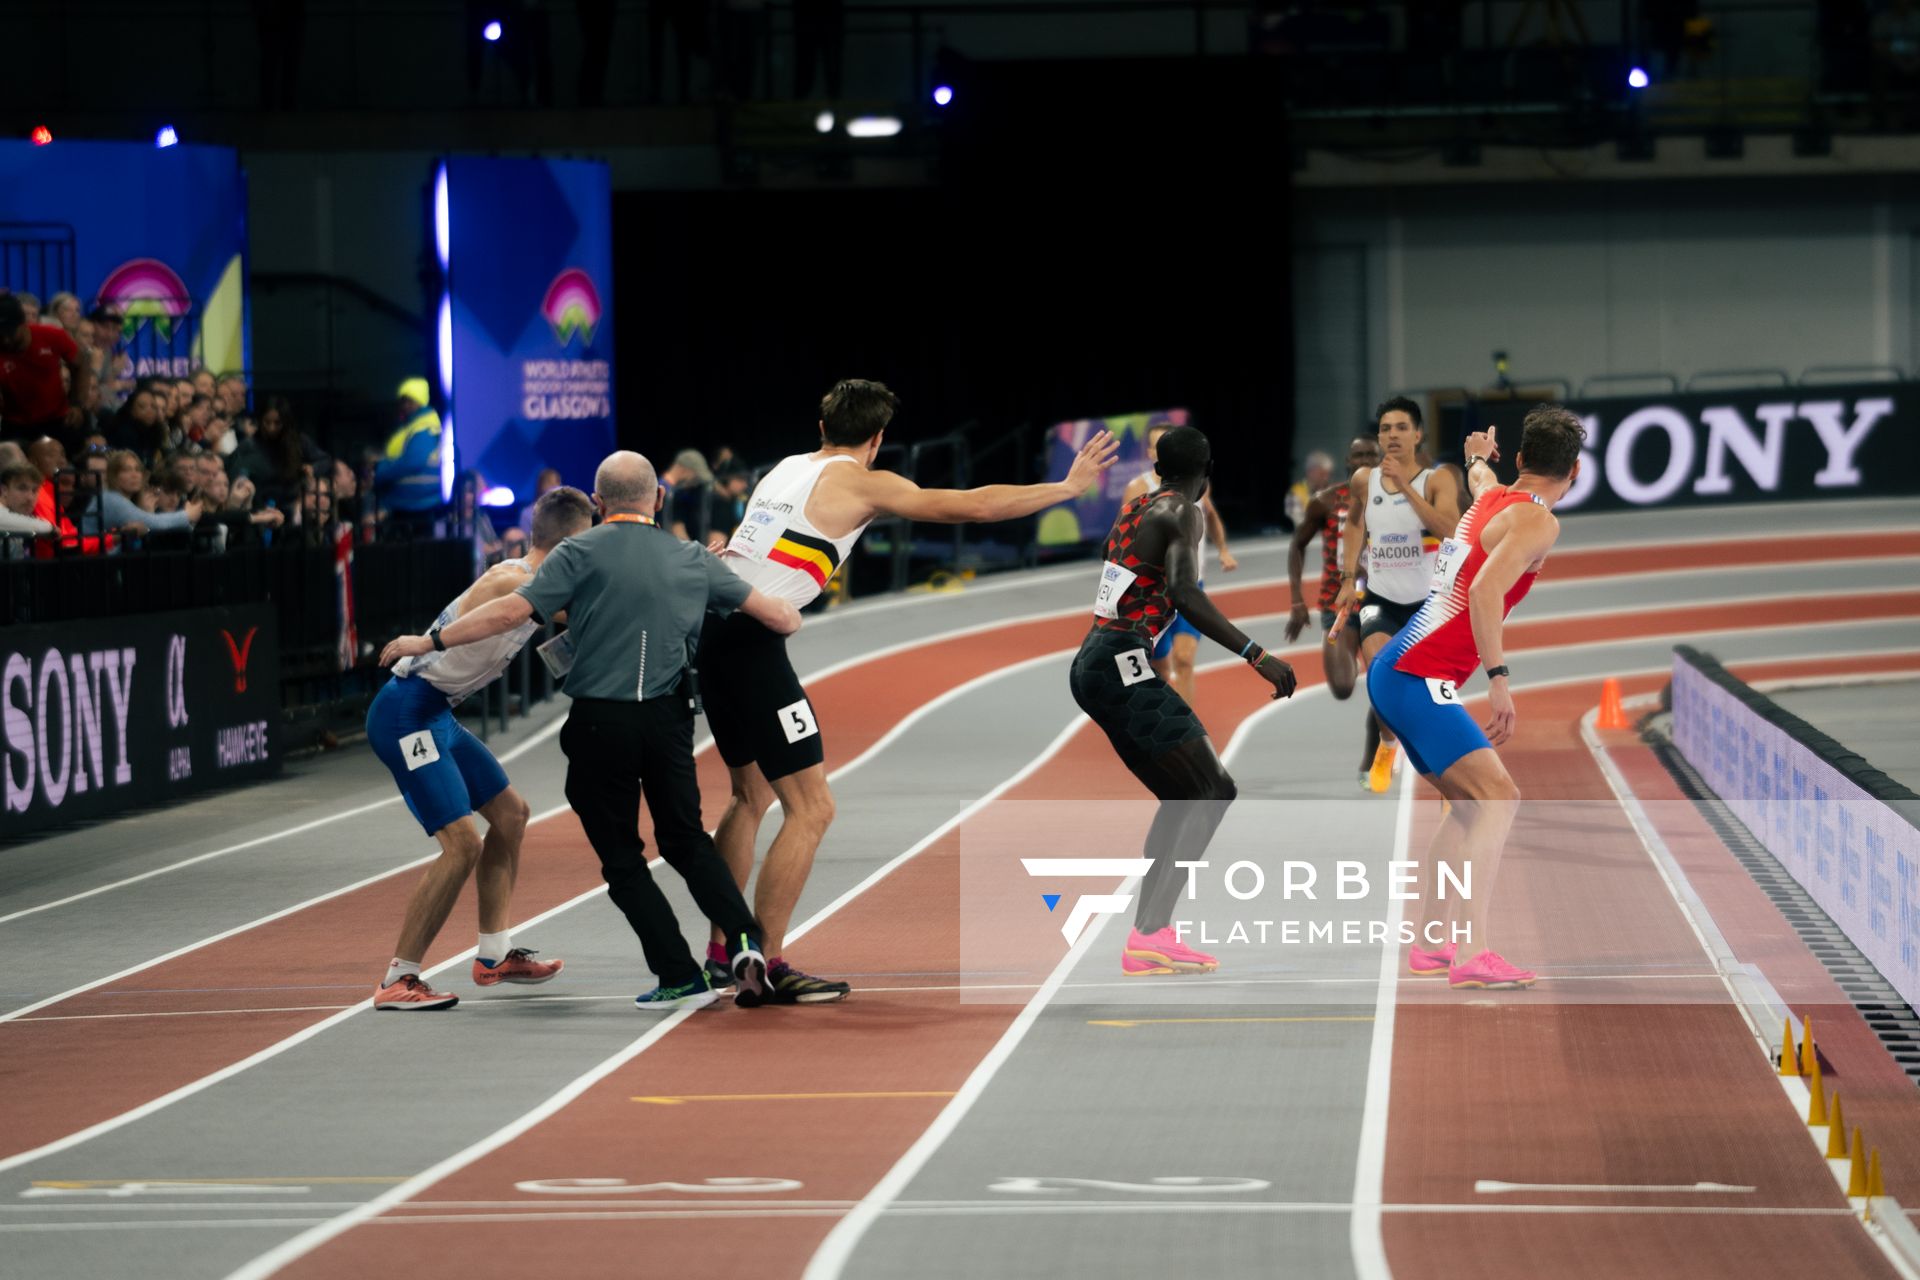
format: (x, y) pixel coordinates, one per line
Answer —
(797, 721)
(756, 535)
(1443, 692)
(419, 749)
(1114, 581)
(1134, 666)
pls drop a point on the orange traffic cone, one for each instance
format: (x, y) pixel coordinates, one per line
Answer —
(1612, 715)
(1836, 1131)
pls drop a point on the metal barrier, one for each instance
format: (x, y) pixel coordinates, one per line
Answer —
(1672, 384)
(1818, 374)
(1730, 379)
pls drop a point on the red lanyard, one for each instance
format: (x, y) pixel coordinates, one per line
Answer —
(627, 517)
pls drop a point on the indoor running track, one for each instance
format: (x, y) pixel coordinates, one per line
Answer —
(194, 1086)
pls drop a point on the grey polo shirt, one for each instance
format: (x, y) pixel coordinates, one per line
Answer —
(634, 596)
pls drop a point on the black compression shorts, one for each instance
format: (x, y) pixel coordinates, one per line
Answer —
(1381, 616)
(1114, 683)
(756, 709)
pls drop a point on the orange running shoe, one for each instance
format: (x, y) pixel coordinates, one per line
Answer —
(412, 993)
(520, 967)
(1380, 777)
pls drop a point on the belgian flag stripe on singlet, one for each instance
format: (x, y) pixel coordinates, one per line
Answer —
(815, 557)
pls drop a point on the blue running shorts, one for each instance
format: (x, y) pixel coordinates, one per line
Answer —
(443, 771)
(1178, 627)
(1425, 715)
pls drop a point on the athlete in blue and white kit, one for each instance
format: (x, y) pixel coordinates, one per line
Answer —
(446, 776)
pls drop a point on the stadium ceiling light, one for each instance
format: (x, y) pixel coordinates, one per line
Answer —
(873, 126)
(1637, 78)
(491, 32)
(823, 123)
(166, 137)
(41, 135)
(497, 496)
(942, 95)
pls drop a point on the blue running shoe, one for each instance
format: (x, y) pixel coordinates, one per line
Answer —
(692, 995)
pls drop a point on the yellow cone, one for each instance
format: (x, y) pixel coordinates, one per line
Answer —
(1809, 1056)
(1836, 1132)
(1876, 1186)
(1789, 1056)
(1817, 1107)
(1857, 1171)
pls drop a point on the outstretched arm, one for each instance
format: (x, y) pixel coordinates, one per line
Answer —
(503, 613)
(1185, 594)
(1217, 531)
(1529, 535)
(888, 494)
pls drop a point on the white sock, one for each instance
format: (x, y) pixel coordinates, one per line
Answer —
(399, 968)
(494, 947)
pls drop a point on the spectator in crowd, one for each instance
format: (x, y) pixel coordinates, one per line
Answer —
(11, 454)
(30, 305)
(513, 543)
(195, 419)
(35, 397)
(686, 481)
(203, 382)
(726, 506)
(19, 489)
(49, 457)
(63, 309)
(276, 457)
(138, 424)
(1319, 472)
(231, 391)
(111, 509)
(546, 482)
(407, 478)
(112, 367)
(219, 436)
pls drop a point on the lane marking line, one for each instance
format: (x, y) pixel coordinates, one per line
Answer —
(1487, 1186)
(676, 1099)
(1364, 1234)
(1149, 1022)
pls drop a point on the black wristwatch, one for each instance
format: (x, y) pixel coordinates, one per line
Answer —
(438, 644)
(1500, 670)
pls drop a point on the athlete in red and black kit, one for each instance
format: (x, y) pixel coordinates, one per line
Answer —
(1151, 572)
(1326, 515)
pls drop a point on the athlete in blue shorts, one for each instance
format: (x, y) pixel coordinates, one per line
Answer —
(447, 776)
(1174, 652)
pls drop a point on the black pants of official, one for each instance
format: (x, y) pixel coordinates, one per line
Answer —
(614, 751)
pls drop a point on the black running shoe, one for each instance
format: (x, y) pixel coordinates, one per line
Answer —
(719, 976)
(748, 969)
(790, 986)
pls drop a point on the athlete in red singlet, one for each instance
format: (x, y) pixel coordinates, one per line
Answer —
(1482, 572)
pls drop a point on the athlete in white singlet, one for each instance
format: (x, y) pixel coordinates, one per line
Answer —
(1400, 512)
(802, 520)
(447, 775)
(1484, 570)
(1174, 651)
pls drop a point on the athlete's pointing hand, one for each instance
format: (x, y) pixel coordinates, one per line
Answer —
(1095, 456)
(1481, 444)
(1278, 674)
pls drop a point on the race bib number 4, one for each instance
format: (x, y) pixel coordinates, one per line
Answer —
(1114, 581)
(419, 750)
(756, 535)
(1134, 666)
(1443, 692)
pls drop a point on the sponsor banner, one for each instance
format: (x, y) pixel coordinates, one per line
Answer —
(166, 248)
(1731, 446)
(102, 716)
(1856, 853)
(526, 344)
(1088, 517)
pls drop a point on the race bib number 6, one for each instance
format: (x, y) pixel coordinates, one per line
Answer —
(1114, 581)
(1443, 692)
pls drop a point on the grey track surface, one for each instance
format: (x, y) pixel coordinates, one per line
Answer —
(1875, 719)
(383, 1098)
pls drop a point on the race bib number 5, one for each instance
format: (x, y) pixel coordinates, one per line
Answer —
(797, 721)
(1114, 581)
(1134, 666)
(1443, 692)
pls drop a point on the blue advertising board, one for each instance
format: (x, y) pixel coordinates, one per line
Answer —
(526, 322)
(157, 233)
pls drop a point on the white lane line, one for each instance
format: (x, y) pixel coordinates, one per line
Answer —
(539, 736)
(179, 1013)
(299, 1246)
(1489, 1187)
(279, 1047)
(1370, 1172)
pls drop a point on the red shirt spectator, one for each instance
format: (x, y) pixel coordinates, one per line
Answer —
(32, 395)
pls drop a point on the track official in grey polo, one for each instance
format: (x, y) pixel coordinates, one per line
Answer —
(633, 596)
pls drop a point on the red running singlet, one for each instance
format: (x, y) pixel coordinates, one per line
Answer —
(1133, 595)
(1438, 644)
(1330, 535)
